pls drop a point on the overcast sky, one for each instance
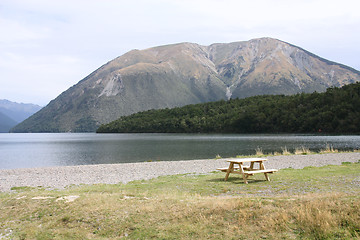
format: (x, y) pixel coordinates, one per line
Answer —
(46, 46)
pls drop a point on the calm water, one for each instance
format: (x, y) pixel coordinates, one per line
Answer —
(64, 149)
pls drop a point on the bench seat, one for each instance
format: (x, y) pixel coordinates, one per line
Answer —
(248, 171)
(261, 171)
(235, 168)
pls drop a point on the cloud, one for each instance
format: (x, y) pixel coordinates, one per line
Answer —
(41, 77)
(53, 44)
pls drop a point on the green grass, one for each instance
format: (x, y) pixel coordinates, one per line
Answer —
(311, 203)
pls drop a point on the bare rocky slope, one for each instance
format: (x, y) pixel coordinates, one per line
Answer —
(186, 73)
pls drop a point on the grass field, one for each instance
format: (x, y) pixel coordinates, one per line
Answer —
(311, 203)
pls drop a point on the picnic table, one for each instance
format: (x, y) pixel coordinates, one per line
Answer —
(246, 171)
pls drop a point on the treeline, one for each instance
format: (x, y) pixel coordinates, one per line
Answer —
(335, 111)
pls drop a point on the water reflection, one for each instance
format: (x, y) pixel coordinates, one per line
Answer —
(63, 149)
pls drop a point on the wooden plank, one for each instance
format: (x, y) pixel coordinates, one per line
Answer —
(230, 169)
(262, 167)
(244, 160)
(261, 171)
(235, 168)
(252, 165)
(267, 177)
(241, 170)
(225, 168)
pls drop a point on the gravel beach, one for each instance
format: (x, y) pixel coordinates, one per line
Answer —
(60, 177)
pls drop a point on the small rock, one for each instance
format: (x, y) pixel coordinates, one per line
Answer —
(68, 199)
(41, 198)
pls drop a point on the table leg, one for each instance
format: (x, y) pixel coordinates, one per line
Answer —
(244, 175)
(252, 166)
(230, 169)
(262, 167)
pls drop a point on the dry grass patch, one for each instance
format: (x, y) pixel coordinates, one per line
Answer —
(329, 149)
(259, 152)
(285, 151)
(297, 151)
(193, 207)
(302, 151)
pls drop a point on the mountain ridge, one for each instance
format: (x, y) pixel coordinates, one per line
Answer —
(325, 60)
(187, 73)
(18, 111)
(6, 123)
(12, 113)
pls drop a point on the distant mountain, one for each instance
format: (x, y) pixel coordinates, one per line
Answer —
(6, 123)
(18, 111)
(13, 113)
(186, 73)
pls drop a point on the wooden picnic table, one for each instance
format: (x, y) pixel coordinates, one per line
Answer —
(246, 171)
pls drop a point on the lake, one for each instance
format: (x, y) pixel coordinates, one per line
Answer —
(30, 150)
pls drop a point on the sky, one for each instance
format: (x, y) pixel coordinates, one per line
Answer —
(48, 46)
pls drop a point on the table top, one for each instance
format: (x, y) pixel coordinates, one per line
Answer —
(243, 160)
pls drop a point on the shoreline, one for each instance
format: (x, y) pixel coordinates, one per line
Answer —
(63, 176)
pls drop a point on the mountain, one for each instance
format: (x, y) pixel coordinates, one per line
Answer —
(6, 123)
(336, 111)
(18, 111)
(186, 73)
(13, 113)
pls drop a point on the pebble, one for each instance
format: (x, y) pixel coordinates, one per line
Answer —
(61, 177)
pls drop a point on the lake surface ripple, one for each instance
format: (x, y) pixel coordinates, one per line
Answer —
(67, 149)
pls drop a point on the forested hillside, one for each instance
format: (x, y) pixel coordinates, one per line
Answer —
(335, 111)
